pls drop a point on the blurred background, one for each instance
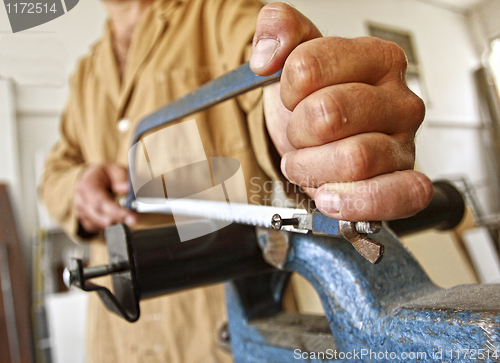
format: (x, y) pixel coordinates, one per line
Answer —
(453, 48)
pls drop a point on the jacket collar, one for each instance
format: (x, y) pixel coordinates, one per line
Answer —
(147, 33)
(105, 65)
(165, 8)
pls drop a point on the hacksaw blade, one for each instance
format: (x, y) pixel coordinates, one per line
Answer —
(249, 214)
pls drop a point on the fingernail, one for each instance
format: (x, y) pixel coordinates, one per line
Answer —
(263, 52)
(328, 201)
(129, 221)
(283, 167)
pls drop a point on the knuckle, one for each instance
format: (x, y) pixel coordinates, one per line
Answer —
(403, 150)
(398, 54)
(100, 221)
(99, 205)
(81, 186)
(86, 225)
(299, 172)
(407, 161)
(106, 221)
(302, 70)
(358, 161)
(412, 111)
(392, 58)
(78, 204)
(91, 170)
(277, 7)
(421, 191)
(395, 56)
(329, 117)
(295, 169)
(115, 169)
(416, 108)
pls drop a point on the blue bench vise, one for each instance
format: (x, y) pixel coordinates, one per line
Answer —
(383, 312)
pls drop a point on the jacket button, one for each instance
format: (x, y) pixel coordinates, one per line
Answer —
(123, 125)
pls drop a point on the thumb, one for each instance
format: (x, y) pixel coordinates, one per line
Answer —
(280, 28)
(118, 178)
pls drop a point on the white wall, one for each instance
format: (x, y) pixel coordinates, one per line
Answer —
(484, 22)
(9, 156)
(484, 25)
(39, 62)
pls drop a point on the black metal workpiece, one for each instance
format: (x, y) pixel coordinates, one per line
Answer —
(163, 264)
(98, 271)
(153, 262)
(445, 211)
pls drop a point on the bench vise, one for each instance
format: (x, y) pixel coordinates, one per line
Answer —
(380, 312)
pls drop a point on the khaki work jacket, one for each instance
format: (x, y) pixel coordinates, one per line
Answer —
(177, 46)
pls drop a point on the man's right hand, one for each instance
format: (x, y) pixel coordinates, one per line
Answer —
(94, 201)
(342, 118)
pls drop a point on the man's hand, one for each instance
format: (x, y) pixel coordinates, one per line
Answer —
(342, 118)
(95, 207)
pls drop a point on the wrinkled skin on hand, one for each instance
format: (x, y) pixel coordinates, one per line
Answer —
(94, 202)
(342, 117)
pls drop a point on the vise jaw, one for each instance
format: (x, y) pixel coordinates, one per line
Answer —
(382, 312)
(390, 310)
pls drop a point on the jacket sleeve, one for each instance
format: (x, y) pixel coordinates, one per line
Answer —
(63, 166)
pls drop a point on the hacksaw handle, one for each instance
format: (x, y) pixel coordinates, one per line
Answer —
(229, 85)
